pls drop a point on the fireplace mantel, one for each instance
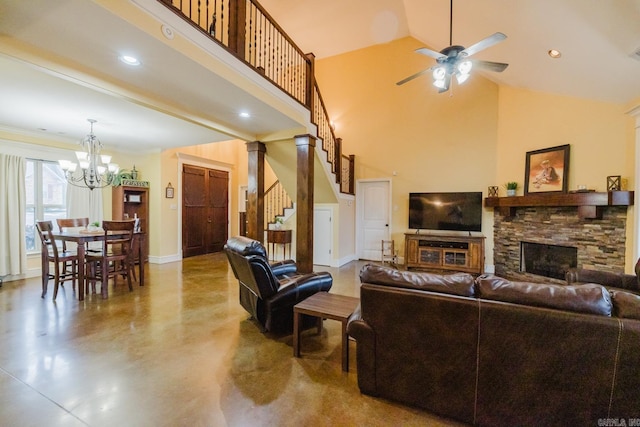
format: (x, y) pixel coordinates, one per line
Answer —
(590, 204)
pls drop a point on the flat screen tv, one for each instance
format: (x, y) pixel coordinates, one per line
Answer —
(461, 211)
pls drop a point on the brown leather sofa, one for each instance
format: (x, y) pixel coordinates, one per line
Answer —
(493, 352)
(269, 291)
(609, 279)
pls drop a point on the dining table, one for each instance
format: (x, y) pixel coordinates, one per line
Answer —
(83, 237)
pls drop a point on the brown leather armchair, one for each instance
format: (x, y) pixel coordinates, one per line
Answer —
(269, 291)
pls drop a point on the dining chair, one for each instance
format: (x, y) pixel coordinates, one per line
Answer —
(116, 257)
(65, 262)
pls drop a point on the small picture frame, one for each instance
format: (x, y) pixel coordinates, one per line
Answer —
(168, 192)
(547, 170)
(134, 198)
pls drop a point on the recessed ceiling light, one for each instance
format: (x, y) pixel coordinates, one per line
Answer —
(129, 60)
(244, 114)
(554, 53)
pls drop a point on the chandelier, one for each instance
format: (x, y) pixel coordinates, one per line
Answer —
(96, 170)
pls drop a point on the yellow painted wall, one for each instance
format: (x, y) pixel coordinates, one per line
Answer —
(601, 136)
(468, 140)
(434, 142)
(233, 153)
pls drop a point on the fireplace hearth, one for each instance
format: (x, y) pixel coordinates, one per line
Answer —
(547, 260)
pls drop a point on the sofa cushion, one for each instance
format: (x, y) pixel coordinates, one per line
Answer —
(454, 284)
(626, 304)
(590, 298)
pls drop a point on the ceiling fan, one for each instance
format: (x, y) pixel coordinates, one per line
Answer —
(454, 60)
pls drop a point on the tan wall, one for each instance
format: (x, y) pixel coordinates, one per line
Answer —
(433, 142)
(222, 154)
(467, 140)
(601, 136)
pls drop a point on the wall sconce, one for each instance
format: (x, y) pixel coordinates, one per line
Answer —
(168, 192)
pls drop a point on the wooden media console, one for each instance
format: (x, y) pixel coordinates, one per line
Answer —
(444, 252)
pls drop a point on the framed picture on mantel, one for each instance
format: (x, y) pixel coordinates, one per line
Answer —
(547, 170)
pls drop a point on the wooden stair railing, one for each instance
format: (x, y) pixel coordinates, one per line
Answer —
(246, 30)
(276, 200)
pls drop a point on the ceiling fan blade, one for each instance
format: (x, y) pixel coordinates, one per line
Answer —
(484, 43)
(431, 53)
(498, 67)
(418, 74)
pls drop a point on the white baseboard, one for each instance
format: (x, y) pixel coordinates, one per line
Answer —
(31, 273)
(164, 259)
(345, 260)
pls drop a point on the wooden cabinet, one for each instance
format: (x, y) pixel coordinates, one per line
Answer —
(444, 252)
(129, 202)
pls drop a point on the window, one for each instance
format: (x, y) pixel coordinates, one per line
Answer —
(46, 189)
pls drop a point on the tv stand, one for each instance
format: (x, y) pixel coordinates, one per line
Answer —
(444, 252)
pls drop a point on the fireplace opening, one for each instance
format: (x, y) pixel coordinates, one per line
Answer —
(547, 260)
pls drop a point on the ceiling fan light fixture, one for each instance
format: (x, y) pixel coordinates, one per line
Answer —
(465, 67)
(439, 73)
(439, 83)
(461, 78)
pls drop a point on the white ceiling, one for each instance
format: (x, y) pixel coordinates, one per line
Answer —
(162, 103)
(169, 101)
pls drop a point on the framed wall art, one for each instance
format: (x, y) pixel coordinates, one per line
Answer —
(547, 170)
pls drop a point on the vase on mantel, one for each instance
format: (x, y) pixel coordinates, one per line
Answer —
(511, 193)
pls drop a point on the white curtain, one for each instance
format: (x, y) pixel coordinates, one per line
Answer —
(13, 244)
(82, 202)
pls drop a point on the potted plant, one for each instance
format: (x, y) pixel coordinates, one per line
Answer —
(511, 187)
(277, 222)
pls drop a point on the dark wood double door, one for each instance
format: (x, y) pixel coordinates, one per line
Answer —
(205, 210)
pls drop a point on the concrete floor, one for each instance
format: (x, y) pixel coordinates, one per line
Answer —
(179, 351)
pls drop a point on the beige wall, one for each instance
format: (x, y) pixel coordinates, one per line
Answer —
(229, 155)
(466, 140)
(601, 136)
(433, 142)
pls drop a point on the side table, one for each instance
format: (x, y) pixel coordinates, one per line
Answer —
(325, 306)
(282, 237)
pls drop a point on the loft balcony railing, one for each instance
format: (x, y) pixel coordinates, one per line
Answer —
(246, 30)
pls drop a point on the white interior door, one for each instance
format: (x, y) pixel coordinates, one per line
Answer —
(322, 236)
(373, 217)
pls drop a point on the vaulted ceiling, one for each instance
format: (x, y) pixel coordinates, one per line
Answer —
(599, 40)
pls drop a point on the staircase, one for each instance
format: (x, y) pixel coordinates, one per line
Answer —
(277, 203)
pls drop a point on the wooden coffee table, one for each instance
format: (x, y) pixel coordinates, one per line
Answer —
(324, 305)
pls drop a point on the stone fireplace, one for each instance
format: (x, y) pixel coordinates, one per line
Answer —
(598, 243)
